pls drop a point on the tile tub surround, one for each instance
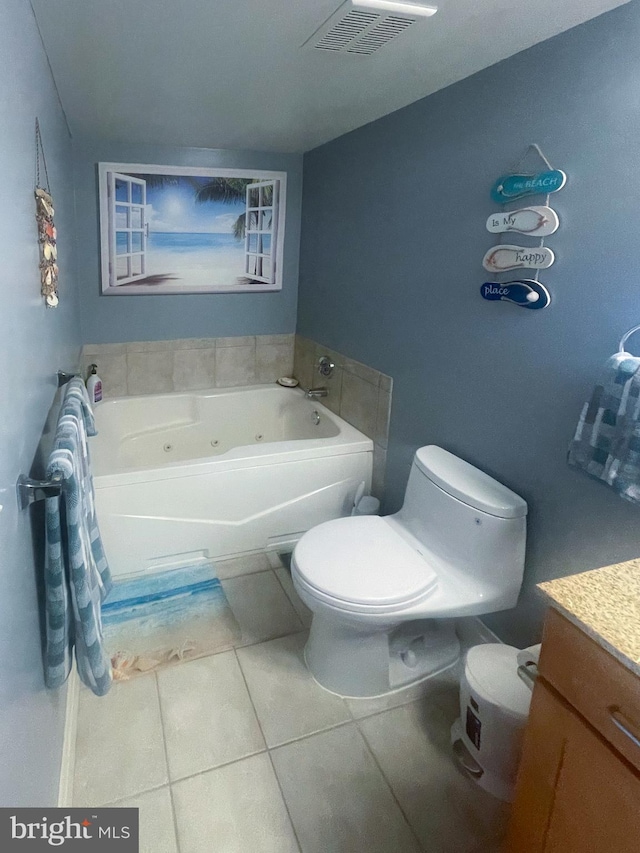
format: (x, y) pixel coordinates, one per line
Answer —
(190, 364)
(358, 393)
(243, 751)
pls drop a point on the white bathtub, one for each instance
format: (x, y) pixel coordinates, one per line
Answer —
(213, 474)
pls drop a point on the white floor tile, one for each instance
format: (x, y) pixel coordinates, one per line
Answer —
(157, 830)
(207, 713)
(119, 751)
(288, 701)
(235, 809)
(337, 798)
(284, 576)
(443, 685)
(261, 607)
(245, 565)
(447, 811)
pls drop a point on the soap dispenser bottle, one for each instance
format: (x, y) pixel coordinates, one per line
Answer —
(94, 385)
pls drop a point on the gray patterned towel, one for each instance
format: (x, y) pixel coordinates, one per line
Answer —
(75, 565)
(607, 441)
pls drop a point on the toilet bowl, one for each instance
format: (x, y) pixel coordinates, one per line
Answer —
(384, 592)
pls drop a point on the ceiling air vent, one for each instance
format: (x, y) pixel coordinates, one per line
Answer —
(361, 27)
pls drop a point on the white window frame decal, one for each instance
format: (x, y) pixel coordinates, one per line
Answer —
(114, 229)
(266, 239)
(259, 255)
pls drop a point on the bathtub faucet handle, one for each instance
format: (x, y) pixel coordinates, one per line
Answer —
(325, 366)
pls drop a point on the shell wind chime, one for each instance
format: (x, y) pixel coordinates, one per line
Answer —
(47, 234)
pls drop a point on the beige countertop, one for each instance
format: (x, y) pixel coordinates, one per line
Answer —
(605, 603)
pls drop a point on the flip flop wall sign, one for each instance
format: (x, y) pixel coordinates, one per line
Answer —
(505, 257)
(510, 187)
(524, 292)
(537, 221)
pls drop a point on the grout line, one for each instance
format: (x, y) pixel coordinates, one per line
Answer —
(286, 595)
(310, 734)
(131, 796)
(250, 697)
(354, 719)
(284, 800)
(291, 601)
(264, 640)
(181, 779)
(166, 758)
(243, 574)
(390, 787)
(269, 640)
(273, 767)
(255, 711)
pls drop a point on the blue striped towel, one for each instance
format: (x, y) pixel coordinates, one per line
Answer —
(607, 440)
(75, 565)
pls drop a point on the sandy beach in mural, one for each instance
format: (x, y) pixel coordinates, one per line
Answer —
(202, 260)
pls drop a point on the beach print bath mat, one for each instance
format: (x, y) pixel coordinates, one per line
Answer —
(160, 619)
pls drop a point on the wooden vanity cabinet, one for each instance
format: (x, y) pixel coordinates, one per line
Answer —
(578, 787)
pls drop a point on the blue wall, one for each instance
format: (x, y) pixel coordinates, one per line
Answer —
(107, 319)
(393, 235)
(35, 343)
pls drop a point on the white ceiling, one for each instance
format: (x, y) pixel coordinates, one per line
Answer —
(231, 73)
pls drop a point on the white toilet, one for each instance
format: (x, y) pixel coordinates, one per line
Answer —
(384, 591)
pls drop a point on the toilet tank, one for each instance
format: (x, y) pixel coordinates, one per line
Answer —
(467, 521)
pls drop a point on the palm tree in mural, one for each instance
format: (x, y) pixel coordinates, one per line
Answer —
(227, 191)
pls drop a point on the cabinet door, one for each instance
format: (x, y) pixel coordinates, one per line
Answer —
(575, 794)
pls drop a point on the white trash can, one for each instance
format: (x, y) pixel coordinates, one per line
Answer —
(494, 706)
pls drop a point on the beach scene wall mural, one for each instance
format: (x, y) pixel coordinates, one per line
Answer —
(179, 230)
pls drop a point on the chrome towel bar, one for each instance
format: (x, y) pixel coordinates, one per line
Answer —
(64, 377)
(29, 491)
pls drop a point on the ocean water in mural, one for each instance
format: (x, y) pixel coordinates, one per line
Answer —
(164, 618)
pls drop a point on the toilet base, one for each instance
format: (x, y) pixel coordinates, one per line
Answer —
(355, 661)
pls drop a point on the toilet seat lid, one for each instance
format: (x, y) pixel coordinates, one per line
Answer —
(362, 560)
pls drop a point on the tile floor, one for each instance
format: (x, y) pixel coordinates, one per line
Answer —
(242, 752)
